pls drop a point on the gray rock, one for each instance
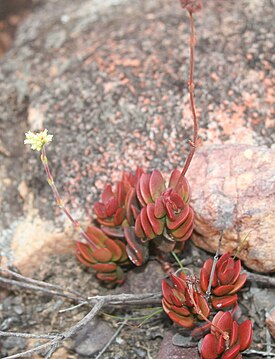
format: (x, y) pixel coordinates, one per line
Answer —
(141, 353)
(264, 299)
(92, 338)
(146, 279)
(12, 343)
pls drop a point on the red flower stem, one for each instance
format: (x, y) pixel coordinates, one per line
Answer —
(59, 201)
(193, 144)
(199, 312)
(208, 292)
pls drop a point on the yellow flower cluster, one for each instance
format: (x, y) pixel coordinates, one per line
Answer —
(37, 140)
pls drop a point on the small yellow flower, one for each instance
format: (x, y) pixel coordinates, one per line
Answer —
(37, 140)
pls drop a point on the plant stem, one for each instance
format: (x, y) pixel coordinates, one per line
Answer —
(157, 310)
(193, 144)
(59, 201)
(199, 312)
(216, 257)
(178, 261)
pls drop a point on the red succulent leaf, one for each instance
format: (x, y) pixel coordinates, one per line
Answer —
(119, 216)
(160, 210)
(177, 299)
(237, 268)
(209, 347)
(84, 251)
(116, 276)
(100, 210)
(145, 223)
(223, 290)
(130, 202)
(204, 279)
(222, 302)
(186, 322)
(176, 198)
(186, 235)
(227, 271)
(179, 218)
(82, 259)
(182, 311)
(203, 305)
(124, 257)
(222, 259)
(234, 333)
(166, 291)
(137, 252)
(179, 283)
(107, 193)
(105, 267)
(157, 224)
(120, 193)
(225, 322)
(232, 352)
(215, 320)
(138, 174)
(135, 213)
(184, 190)
(139, 196)
(221, 345)
(245, 334)
(113, 232)
(111, 206)
(108, 222)
(102, 255)
(96, 235)
(170, 210)
(114, 248)
(175, 175)
(239, 284)
(205, 275)
(156, 184)
(144, 188)
(189, 301)
(138, 228)
(185, 227)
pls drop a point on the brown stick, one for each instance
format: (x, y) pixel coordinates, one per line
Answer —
(40, 283)
(54, 343)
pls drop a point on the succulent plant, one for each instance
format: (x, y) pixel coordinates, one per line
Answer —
(119, 207)
(227, 338)
(166, 216)
(227, 280)
(106, 259)
(117, 212)
(182, 302)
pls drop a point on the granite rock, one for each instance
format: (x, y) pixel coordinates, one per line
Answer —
(233, 189)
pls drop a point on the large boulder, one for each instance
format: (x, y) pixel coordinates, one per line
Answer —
(233, 189)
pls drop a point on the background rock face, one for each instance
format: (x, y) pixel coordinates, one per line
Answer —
(234, 191)
(109, 80)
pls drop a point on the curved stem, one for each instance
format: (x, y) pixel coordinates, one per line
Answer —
(193, 144)
(59, 201)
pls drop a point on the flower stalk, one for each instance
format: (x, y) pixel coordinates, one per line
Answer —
(193, 144)
(38, 142)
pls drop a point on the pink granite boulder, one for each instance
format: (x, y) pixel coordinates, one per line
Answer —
(233, 189)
